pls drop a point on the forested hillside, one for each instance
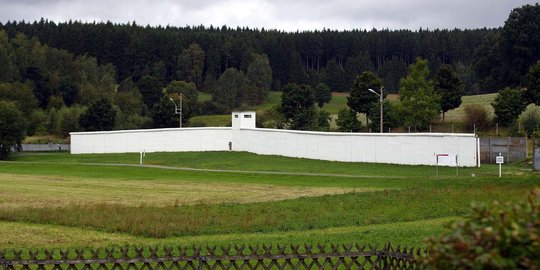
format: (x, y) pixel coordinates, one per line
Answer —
(333, 57)
(61, 77)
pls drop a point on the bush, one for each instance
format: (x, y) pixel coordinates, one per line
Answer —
(209, 107)
(476, 115)
(493, 237)
(508, 105)
(347, 121)
(530, 120)
(67, 120)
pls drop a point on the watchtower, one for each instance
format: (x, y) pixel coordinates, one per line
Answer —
(243, 119)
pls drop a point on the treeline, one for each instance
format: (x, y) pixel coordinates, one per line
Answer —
(57, 92)
(100, 76)
(332, 57)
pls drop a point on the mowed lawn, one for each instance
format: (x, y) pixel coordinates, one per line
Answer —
(216, 198)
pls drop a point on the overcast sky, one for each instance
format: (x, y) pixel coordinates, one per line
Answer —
(288, 15)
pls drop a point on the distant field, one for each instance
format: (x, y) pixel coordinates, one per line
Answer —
(62, 200)
(223, 120)
(485, 100)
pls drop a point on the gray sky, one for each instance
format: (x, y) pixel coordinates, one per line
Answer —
(288, 15)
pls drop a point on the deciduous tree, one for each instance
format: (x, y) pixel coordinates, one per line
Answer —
(295, 99)
(360, 99)
(151, 90)
(230, 89)
(532, 94)
(322, 94)
(347, 121)
(508, 105)
(449, 88)
(420, 105)
(99, 116)
(163, 115)
(12, 127)
(190, 96)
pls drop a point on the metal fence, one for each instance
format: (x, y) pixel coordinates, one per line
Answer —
(258, 257)
(512, 148)
(34, 147)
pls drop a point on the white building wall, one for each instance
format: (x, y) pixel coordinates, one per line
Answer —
(396, 148)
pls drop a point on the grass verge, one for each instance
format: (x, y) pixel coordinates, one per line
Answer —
(35, 236)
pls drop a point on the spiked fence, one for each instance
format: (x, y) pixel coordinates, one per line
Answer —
(259, 257)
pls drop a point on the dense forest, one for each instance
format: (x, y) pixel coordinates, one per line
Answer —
(333, 57)
(70, 76)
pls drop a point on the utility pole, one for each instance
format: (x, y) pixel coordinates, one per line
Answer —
(178, 109)
(381, 100)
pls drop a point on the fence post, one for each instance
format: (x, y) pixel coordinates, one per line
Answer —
(202, 259)
(382, 256)
(5, 263)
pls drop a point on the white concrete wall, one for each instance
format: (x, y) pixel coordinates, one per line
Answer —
(151, 140)
(396, 148)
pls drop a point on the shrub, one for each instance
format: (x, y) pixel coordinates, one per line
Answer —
(347, 121)
(476, 115)
(530, 120)
(67, 120)
(493, 237)
(508, 105)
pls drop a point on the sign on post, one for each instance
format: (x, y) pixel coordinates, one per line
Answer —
(447, 160)
(499, 160)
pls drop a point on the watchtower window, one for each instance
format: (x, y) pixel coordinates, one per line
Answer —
(247, 116)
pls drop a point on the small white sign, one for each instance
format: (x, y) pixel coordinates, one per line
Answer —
(499, 159)
(446, 159)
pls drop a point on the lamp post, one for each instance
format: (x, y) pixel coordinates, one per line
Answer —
(177, 110)
(381, 101)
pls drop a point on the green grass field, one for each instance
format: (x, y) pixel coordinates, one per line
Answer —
(216, 198)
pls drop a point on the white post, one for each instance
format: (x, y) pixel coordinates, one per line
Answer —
(500, 160)
(141, 158)
(381, 116)
(478, 152)
(180, 110)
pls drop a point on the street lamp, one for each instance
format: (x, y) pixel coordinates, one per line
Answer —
(381, 100)
(178, 110)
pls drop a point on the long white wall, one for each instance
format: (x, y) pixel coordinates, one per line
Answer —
(151, 140)
(396, 148)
